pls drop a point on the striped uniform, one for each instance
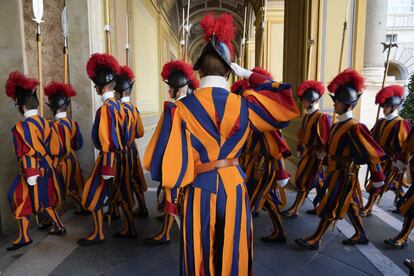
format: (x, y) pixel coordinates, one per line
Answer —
(34, 141)
(406, 204)
(213, 124)
(390, 135)
(349, 146)
(312, 138)
(72, 140)
(107, 133)
(133, 179)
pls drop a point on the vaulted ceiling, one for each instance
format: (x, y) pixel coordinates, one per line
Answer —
(198, 8)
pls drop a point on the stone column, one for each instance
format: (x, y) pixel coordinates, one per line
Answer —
(12, 55)
(373, 71)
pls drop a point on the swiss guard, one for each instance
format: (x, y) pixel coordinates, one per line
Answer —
(132, 183)
(349, 145)
(205, 134)
(59, 96)
(312, 138)
(390, 133)
(101, 188)
(36, 188)
(405, 205)
(181, 80)
(266, 176)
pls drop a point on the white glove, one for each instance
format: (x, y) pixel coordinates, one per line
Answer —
(177, 220)
(400, 166)
(107, 177)
(282, 183)
(240, 71)
(32, 180)
(299, 154)
(378, 184)
(320, 155)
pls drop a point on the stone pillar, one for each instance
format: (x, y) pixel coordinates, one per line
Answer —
(12, 55)
(373, 71)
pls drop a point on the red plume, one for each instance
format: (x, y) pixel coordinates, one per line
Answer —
(101, 60)
(127, 71)
(17, 79)
(389, 91)
(263, 72)
(54, 88)
(347, 77)
(311, 84)
(222, 27)
(240, 84)
(185, 68)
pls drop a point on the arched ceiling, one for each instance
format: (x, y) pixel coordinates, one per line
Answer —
(198, 8)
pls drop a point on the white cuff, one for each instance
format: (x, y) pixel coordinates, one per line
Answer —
(283, 182)
(399, 165)
(32, 180)
(299, 154)
(106, 177)
(378, 184)
(324, 168)
(240, 71)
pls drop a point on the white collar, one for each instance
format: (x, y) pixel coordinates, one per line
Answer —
(60, 115)
(179, 98)
(313, 109)
(345, 116)
(107, 95)
(213, 81)
(30, 113)
(392, 115)
(125, 99)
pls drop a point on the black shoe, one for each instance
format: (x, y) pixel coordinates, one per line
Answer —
(17, 246)
(45, 226)
(274, 239)
(396, 245)
(81, 212)
(311, 212)
(307, 245)
(353, 242)
(396, 211)
(119, 235)
(410, 264)
(152, 241)
(141, 214)
(56, 232)
(288, 215)
(86, 242)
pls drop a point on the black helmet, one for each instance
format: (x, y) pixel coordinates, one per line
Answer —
(393, 101)
(177, 80)
(218, 49)
(310, 95)
(57, 101)
(22, 95)
(123, 83)
(346, 95)
(102, 69)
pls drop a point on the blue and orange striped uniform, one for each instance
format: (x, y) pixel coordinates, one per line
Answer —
(72, 140)
(390, 135)
(406, 204)
(209, 125)
(32, 139)
(312, 138)
(107, 134)
(349, 145)
(133, 180)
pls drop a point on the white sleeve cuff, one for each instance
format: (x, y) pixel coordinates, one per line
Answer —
(106, 177)
(378, 184)
(283, 182)
(32, 180)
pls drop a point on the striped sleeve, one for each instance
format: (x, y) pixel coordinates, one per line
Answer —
(155, 150)
(272, 107)
(77, 138)
(139, 124)
(108, 139)
(365, 150)
(177, 162)
(323, 128)
(22, 140)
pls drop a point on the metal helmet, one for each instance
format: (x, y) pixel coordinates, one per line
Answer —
(346, 95)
